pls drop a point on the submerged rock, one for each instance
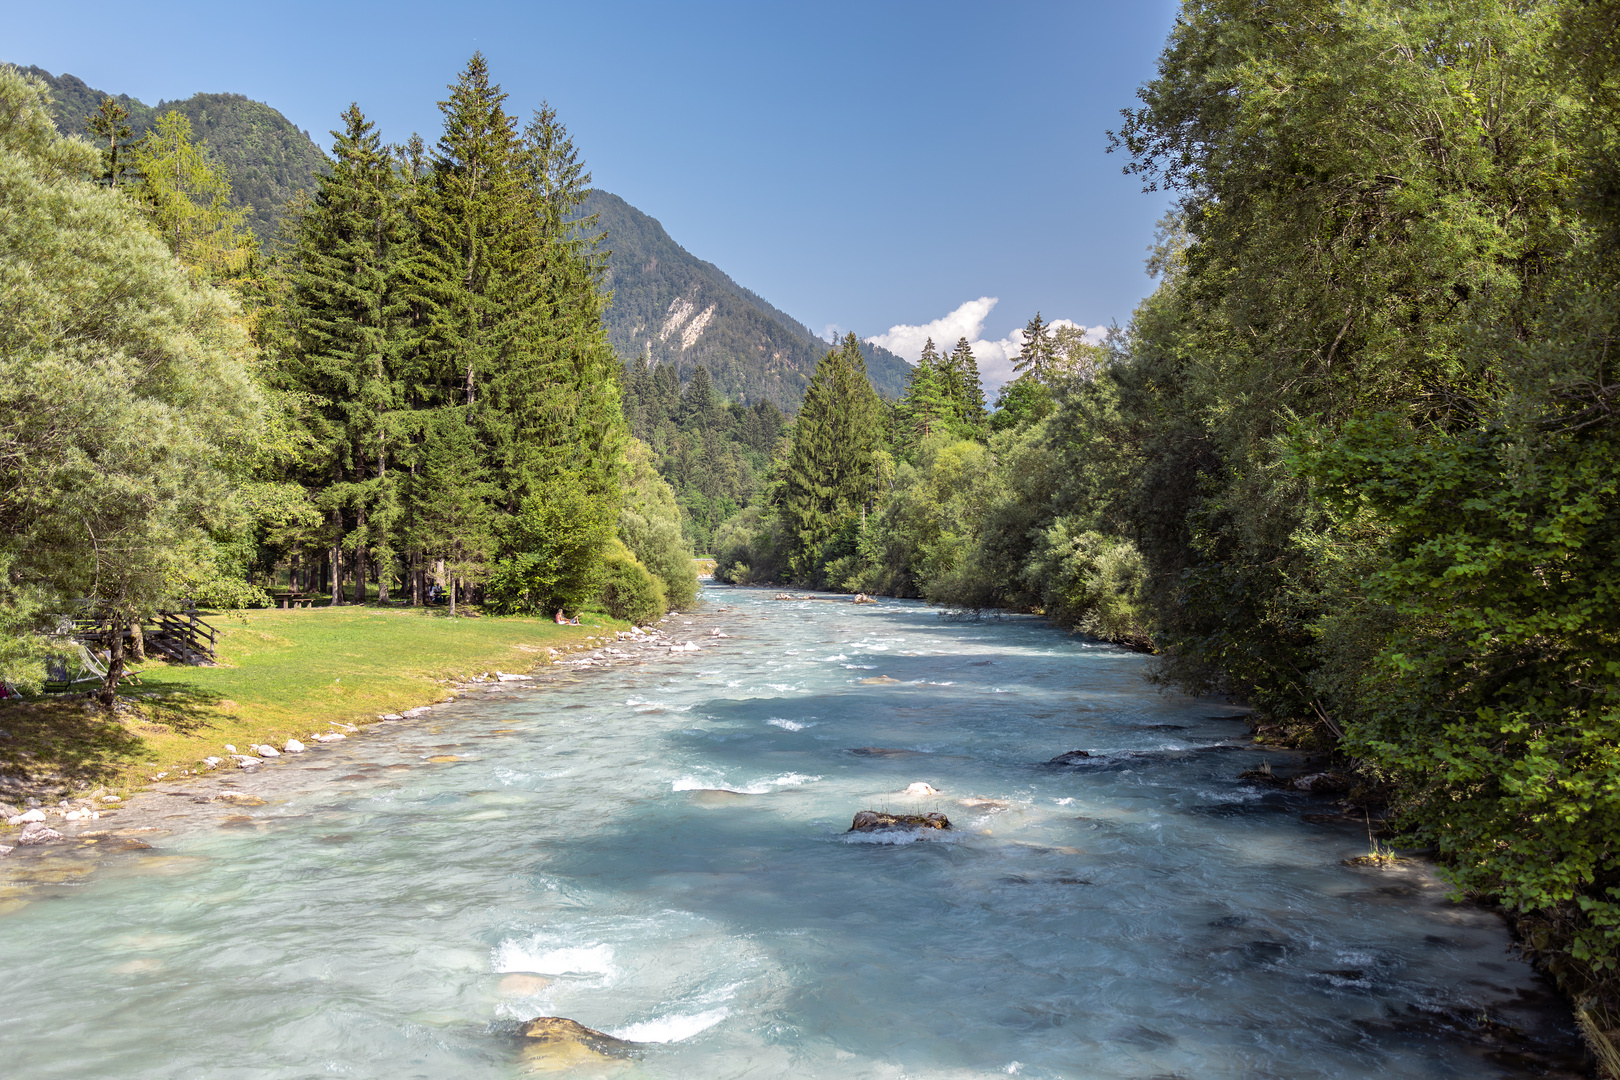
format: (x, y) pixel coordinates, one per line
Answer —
(1072, 757)
(874, 820)
(1322, 783)
(556, 1042)
(920, 788)
(36, 833)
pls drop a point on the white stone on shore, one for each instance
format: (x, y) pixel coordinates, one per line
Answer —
(229, 749)
(328, 738)
(293, 746)
(38, 834)
(111, 798)
(4, 851)
(26, 817)
(267, 751)
(390, 716)
(418, 711)
(212, 761)
(504, 677)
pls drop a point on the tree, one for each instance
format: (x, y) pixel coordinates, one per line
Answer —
(111, 123)
(1038, 351)
(126, 397)
(350, 312)
(965, 387)
(187, 199)
(929, 404)
(835, 460)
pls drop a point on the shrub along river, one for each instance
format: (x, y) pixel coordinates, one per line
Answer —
(659, 851)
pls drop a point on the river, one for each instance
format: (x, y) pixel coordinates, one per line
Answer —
(659, 851)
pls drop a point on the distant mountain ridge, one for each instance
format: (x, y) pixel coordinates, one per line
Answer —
(668, 305)
(677, 309)
(267, 159)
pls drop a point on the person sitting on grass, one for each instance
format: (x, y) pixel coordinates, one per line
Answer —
(566, 622)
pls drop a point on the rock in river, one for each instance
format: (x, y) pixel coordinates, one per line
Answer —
(36, 833)
(873, 820)
(1073, 757)
(555, 1042)
(920, 788)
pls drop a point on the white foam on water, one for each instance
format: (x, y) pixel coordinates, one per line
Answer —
(861, 667)
(830, 659)
(1064, 802)
(788, 725)
(900, 836)
(687, 783)
(668, 1029)
(532, 957)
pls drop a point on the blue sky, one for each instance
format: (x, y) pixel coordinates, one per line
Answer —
(862, 166)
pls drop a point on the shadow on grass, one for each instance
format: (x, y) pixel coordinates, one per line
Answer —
(74, 742)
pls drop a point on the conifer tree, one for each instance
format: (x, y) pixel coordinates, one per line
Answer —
(187, 198)
(927, 406)
(351, 312)
(1036, 356)
(699, 403)
(110, 123)
(967, 390)
(833, 465)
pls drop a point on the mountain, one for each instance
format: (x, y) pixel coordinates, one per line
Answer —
(677, 309)
(668, 304)
(267, 159)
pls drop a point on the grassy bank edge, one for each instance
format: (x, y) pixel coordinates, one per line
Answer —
(281, 675)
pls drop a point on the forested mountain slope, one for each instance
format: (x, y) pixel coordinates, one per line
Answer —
(267, 159)
(668, 305)
(679, 310)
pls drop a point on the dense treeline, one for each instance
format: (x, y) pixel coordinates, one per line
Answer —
(1355, 460)
(715, 454)
(411, 395)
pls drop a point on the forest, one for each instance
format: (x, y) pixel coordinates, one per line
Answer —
(408, 396)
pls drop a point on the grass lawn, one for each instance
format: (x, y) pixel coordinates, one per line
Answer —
(281, 674)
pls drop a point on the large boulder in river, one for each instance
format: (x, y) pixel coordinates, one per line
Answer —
(876, 820)
(1073, 757)
(556, 1042)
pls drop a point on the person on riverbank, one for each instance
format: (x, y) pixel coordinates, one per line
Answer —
(566, 622)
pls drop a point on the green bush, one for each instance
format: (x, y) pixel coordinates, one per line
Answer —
(629, 590)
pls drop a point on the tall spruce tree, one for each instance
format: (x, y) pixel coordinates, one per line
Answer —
(833, 465)
(350, 317)
(966, 388)
(927, 406)
(1036, 356)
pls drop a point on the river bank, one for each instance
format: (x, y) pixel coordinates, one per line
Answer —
(281, 675)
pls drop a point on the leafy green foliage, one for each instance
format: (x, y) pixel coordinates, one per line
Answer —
(127, 400)
(629, 590)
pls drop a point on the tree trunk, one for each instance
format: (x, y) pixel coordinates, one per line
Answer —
(115, 663)
(137, 642)
(337, 575)
(453, 585)
(416, 581)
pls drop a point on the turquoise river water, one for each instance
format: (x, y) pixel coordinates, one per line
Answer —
(659, 851)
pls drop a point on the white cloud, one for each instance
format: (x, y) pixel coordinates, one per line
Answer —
(995, 358)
